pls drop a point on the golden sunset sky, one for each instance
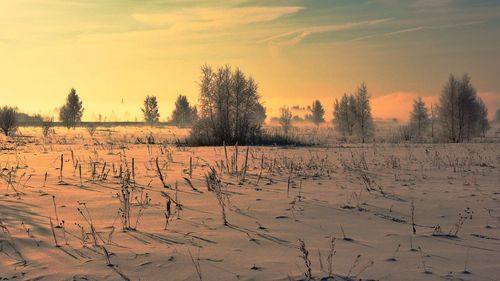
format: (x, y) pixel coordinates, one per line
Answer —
(116, 52)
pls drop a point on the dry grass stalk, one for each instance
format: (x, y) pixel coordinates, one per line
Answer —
(423, 261)
(55, 209)
(80, 173)
(133, 170)
(196, 264)
(88, 218)
(160, 175)
(413, 217)
(190, 167)
(124, 197)
(245, 167)
(61, 167)
(353, 265)
(466, 271)
(304, 255)
(329, 258)
(344, 235)
(214, 184)
(53, 232)
(225, 154)
(261, 168)
(168, 212)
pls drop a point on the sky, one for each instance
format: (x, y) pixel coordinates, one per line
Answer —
(116, 52)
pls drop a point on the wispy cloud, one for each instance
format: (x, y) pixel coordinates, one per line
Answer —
(284, 40)
(413, 29)
(198, 19)
(430, 3)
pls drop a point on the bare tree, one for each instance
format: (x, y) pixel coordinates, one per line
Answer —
(285, 119)
(344, 115)
(8, 119)
(460, 110)
(150, 110)
(230, 108)
(72, 111)
(419, 118)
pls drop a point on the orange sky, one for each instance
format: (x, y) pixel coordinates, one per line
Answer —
(116, 52)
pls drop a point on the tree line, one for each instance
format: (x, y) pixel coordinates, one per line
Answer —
(231, 112)
(459, 116)
(71, 113)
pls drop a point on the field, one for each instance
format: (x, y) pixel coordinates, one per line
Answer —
(81, 207)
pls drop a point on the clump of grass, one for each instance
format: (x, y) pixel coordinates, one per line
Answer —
(47, 124)
(124, 197)
(353, 265)
(462, 218)
(455, 229)
(88, 218)
(91, 129)
(214, 184)
(364, 268)
(329, 258)
(222, 205)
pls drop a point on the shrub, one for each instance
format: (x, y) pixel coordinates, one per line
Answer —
(47, 124)
(286, 120)
(8, 120)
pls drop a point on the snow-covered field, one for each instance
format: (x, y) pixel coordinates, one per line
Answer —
(361, 198)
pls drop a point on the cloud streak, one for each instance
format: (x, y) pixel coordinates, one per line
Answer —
(299, 35)
(413, 29)
(431, 3)
(199, 19)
